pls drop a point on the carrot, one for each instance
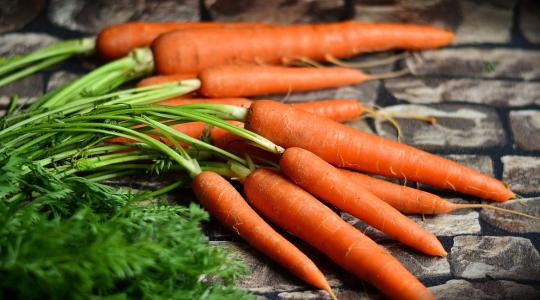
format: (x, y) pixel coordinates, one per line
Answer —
(192, 129)
(296, 211)
(339, 110)
(118, 40)
(190, 51)
(243, 102)
(247, 80)
(414, 201)
(329, 184)
(347, 147)
(225, 204)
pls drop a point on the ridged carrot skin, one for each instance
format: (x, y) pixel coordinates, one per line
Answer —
(226, 204)
(243, 102)
(190, 51)
(255, 80)
(327, 183)
(347, 147)
(339, 110)
(118, 40)
(296, 211)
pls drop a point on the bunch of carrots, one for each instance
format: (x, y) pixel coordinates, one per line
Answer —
(293, 160)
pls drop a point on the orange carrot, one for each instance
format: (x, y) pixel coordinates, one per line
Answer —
(329, 184)
(192, 129)
(339, 110)
(248, 80)
(296, 211)
(118, 40)
(225, 204)
(350, 148)
(228, 101)
(190, 51)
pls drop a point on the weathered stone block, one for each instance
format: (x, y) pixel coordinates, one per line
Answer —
(14, 14)
(60, 78)
(458, 126)
(472, 21)
(341, 293)
(521, 173)
(529, 23)
(28, 89)
(420, 265)
(281, 11)
(19, 43)
(423, 90)
(95, 15)
(462, 289)
(507, 257)
(512, 222)
(481, 163)
(478, 63)
(526, 128)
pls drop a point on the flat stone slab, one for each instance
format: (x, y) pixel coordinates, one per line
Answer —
(93, 16)
(472, 21)
(278, 11)
(521, 173)
(341, 293)
(481, 163)
(514, 258)
(493, 290)
(477, 63)
(525, 126)
(420, 265)
(529, 23)
(457, 126)
(14, 14)
(424, 90)
(28, 89)
(512, 222)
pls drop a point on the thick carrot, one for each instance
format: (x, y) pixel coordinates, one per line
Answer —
(248, 80)
(190, 51)
(225, 204)
(118, 40)
(347, 147)
(339, 110)
(296, 211)
(329, 184)
(243, 102)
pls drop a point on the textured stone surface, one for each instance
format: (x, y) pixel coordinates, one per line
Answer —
(420, 265)
(481, 163)
(423, 90)
(521, 173)
(512, 222)
(473, 21)
(529, 22)
(14, 14)
(477, 62)
(27, 89)
(92, 16)
(460, 222)
(458, 126)
(59, 78)
(525, 126)
(513, 258)
(365, 93)
(278, 11)
(462, 289)
(19, 43)
(342, 294)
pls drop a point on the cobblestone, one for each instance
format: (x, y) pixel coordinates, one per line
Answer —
(526, 128)
(14, 14)
(493, 290)
(521, 173)
(512, 222)
(514, 258)
(458, 126)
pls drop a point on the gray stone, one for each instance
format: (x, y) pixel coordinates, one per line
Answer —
(341, 293)
(472, 21)
(457, 126)
(493, 290)
(280, 11)
(529, 22)
(460, 222)
(420, 265)
(481, 163)
(19, 43)
(515, 258)
(521, 173)
(95, 15)
(28, 89)
(14, 14)
(511, 222)
(526, 128)
(60, 78)
(423, 90)
(478, 63)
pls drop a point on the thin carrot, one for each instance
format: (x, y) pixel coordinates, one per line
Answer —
(296, 211)
(347, 147)
(190, 51)
(329, 184)
(414, 201)
(249, 80)
(226, 204)
(118, 40)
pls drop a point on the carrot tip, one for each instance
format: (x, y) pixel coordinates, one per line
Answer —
(331, 293)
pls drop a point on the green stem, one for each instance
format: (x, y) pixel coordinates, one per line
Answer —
(33, 69)
(161, 191)
(106, 175)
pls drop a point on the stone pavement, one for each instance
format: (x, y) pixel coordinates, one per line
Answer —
(484, 92)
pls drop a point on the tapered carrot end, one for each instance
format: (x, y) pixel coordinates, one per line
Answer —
(331, 293)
